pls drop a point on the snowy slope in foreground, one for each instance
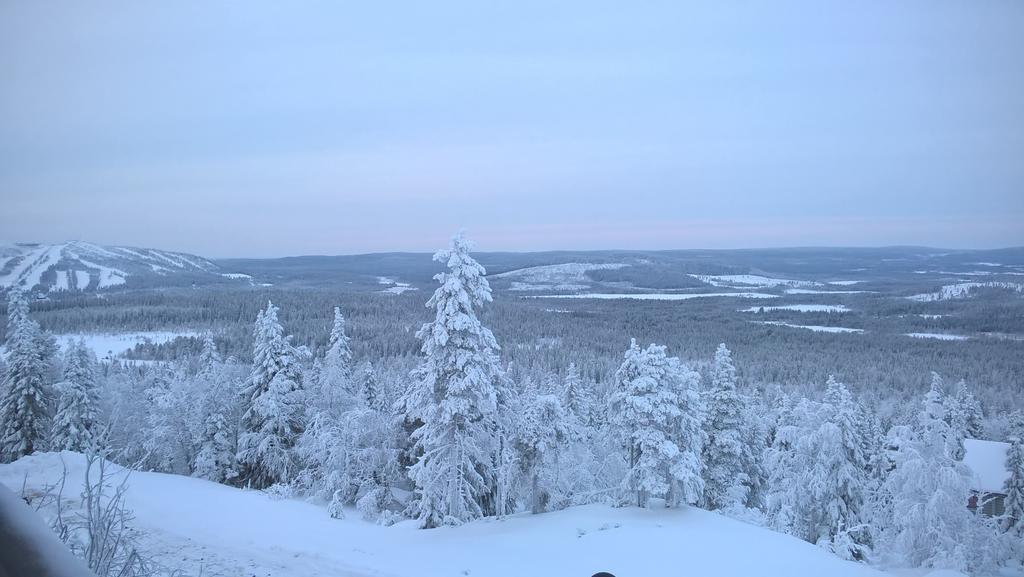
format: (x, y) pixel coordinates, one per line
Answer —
(190, 522)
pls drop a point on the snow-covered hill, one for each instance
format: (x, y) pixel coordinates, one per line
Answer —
(565, 276)
(965, 290)
(80, 265)
(193, 524)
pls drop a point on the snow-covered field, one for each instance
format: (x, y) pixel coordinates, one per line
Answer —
(751, 280)
(113, 345)
(938, 336)
(198, 525)
(964, 290)
(800, 308)
(816, 328)
(396, 287)
(655, 296)
(799, 291)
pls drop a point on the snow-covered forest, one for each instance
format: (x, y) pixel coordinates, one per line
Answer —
(465, 435)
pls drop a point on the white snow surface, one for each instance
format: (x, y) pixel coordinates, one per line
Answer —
(565, 276)
(751, 280)
(964, 290)
(800, 308)
(844, 282)
(655, 296)
(799, 291)
(192, 523)
(987, 462)
(396, 287)
(938, 336)
(83, 261)
(816, 328)
(236, 275)
(112, 345)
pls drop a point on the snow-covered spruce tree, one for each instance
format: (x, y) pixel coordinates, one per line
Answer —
(658, 413)
(75, 426)
(335, 388)
(730, 461)
(216, 416)
(209, 357)
(274, 406)
(545, 432)
(928, 519)
(370, 389)
(575, 398)
(216, 456)
(168, 436)
(1014, 489)
(964, 417)
(819, 481)
(840, 479)
(452, 401)
(24, 408)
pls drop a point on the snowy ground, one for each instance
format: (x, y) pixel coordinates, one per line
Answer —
(566, 276)
(656, 296)
(751, 280)
(964, 290)
(798, 291)
(396, 287)
(113, 345)
(816, 328)
(800, 308)
(195, 524)
(938, 336)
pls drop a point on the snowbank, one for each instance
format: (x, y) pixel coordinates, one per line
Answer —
(193, 523)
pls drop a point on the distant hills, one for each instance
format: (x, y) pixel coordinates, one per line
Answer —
(82, 266)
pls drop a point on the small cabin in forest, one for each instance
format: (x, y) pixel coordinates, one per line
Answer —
(987, 462)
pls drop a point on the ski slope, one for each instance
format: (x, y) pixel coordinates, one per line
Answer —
(78, 265)
(195, 524)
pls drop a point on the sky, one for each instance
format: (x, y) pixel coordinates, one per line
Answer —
(264, 128)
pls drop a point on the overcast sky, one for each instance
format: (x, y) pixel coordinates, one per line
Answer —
(281, 128)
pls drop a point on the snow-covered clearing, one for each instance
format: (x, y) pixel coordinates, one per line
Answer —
(844, 282)
(812, 291)
(565, 276)
(938, 336)
(235, 275)
(751, 280)
(655, 296)
(113, 345)
(396, 287)
(195, 524)
(800, 308)
(816, 328)
(964, 290)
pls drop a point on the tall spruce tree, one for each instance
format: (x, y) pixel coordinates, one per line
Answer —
(75, 426)
(1014, 489)
(24, 399)
(337, 391)
(274, 414)
(727, 456)
(964, 417)
(453, 399)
